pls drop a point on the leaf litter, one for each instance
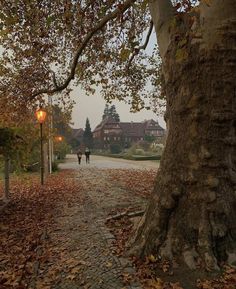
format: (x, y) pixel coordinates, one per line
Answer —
(29, 260)
(27, 222)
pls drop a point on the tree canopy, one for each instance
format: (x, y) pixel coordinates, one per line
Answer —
(47, 44)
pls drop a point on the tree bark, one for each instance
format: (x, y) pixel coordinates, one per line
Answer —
(162, 13)
(192, 212)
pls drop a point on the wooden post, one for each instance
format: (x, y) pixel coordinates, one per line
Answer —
(45, 160)
(7, 173)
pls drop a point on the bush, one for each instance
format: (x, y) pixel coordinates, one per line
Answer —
(61, 149)
(55, 166)
(139, 152)
(115, 148)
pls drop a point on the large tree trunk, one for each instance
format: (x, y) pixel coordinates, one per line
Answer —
(192, 212)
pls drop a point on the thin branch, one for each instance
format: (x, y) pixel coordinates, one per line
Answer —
(54, 79)
(142, 47)
(121, 9)
(126, 214)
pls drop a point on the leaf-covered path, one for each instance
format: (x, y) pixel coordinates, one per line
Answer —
(56, 237)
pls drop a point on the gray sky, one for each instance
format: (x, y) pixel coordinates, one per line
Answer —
(93, 107)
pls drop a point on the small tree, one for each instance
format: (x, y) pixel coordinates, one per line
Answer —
(111, 111)
(105, 112)
(88, 136)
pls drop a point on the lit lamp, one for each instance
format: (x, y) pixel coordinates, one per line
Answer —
(58, 138)
(41, 116)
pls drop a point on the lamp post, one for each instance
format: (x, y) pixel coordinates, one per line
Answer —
(41, 116)
(50, 138)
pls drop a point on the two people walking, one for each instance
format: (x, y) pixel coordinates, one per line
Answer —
(87, 155)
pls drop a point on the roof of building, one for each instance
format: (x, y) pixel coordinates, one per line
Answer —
(132, 128)
(150, 124)
(77, 132)
(107, 120)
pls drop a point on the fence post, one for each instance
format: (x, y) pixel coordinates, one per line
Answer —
(7, 173)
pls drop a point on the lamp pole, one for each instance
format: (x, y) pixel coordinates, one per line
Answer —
(41, 115)
(41, 154)
(50, 140)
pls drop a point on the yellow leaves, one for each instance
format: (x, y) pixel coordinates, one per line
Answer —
(173, 24)
(152, 258)
(143, 5)
(4, 32)
(109, 264)
(181, 55)
(124, 54)
(155, 284)
(182, 42)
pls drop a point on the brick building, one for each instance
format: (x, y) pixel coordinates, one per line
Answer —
(125, 133)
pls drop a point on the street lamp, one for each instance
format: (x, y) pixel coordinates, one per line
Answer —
(58, 138)
(41, 116)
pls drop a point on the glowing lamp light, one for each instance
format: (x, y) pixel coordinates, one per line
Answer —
(41, 115)
(58, 138)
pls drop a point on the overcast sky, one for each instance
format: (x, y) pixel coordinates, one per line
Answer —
(93, 107)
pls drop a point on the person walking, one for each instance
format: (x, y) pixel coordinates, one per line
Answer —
(79, 155)
(87, 155)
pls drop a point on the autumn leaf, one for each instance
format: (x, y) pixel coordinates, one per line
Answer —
(124, 54)
(152, 259)
(109, 264)
(155, 284)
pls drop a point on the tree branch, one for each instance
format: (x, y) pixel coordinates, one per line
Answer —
(137, 49)
(120, 9)
(162, 11)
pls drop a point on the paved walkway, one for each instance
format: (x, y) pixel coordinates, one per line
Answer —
(82, 231)
(88, 243)
(102, 162)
